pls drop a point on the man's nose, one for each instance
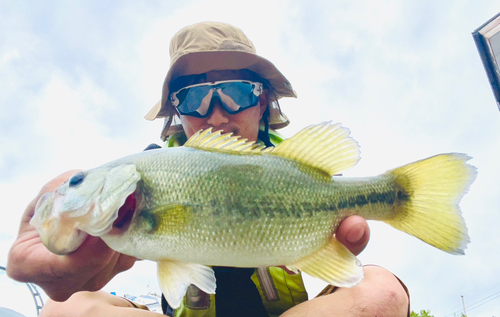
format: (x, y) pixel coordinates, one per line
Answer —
(218, 116)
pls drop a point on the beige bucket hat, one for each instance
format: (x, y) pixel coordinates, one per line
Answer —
(209, 46)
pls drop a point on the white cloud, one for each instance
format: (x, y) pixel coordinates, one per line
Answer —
(16, 296)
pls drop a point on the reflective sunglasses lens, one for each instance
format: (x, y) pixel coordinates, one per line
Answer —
(235, 97)
(238, 96)
(191, 99)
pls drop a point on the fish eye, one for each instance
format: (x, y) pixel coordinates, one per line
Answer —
(76, 179)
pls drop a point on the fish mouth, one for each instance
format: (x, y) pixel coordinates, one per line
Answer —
(125, 214)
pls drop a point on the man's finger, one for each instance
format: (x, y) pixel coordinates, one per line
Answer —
(354, 233)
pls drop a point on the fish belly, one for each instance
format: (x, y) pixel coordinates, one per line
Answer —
(250, 243)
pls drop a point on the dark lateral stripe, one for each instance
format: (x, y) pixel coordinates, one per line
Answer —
(348, 203)
(373, 198)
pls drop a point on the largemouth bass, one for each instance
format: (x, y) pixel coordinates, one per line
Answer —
(222, 201)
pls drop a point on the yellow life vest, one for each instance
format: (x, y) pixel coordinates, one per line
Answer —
(279, 292)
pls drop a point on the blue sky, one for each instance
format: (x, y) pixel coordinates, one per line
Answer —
(76, 79)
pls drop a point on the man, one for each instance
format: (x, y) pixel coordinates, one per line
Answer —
(213, 82)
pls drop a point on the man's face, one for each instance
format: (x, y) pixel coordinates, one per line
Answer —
(244, 123)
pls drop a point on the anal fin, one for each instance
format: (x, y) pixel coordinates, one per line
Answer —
(333, 263)
(175, 277)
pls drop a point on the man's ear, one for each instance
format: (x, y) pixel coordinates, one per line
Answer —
(264, 102)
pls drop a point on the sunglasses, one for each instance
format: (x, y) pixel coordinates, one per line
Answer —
(235, 96)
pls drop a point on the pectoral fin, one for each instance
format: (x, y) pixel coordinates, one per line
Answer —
(333, 263)
(175, 277)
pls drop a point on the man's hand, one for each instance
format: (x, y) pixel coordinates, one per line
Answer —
(88, 268)
(95, 304)
(354, 233)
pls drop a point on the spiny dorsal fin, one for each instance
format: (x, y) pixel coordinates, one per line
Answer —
(217, 142)
(325, 146)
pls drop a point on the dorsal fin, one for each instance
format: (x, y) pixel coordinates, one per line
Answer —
(325, 146)
(217, 142)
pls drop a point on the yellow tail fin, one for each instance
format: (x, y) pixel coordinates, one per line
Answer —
(435, 186)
